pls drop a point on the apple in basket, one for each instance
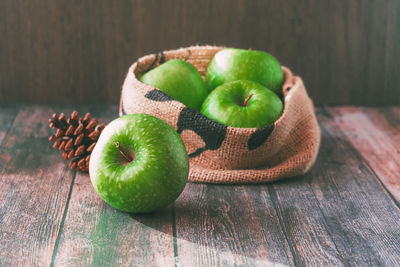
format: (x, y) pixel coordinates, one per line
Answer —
(231, 64)
(242, 103)
(180, 80)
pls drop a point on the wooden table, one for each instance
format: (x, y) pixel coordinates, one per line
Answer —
(345, 211)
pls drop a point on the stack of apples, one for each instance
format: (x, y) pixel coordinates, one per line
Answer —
(140, 163)
(240, 90)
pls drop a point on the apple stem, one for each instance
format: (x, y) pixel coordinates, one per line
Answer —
(247, 100)
(126, 156)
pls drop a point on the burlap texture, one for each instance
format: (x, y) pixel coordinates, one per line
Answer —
(221, 154)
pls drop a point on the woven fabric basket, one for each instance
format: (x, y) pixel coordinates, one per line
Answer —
(222, 154)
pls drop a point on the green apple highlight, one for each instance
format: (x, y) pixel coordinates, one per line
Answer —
(180, 80)
(231, 64)
(243, 104)
(139, 164)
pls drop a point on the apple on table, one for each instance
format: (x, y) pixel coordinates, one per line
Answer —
(139, 164)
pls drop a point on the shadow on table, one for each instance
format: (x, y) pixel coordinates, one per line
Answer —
(236, 220)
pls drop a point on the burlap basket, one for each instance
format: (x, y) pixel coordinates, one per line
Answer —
(222, 154)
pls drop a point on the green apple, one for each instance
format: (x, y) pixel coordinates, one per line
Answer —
(180, 80)
(231, 64)
(139, 164)
(243, 104)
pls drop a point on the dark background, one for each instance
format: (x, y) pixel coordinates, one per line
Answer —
(61, 51)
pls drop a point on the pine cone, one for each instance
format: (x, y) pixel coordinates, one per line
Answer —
(76, 137)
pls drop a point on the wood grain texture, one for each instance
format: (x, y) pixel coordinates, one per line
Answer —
(79, 51)
(7, 116)
(34, 187)
(220, 225)
(338, 214)
(376, 136)
(95, 234)
(304, 224)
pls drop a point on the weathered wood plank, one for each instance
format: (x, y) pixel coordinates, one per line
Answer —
(34, 186)
(219, 225)
(340, 201)
(7, 116)
(304, 223)
(393, 114)
(377, 138)
(96, 234)
(337, 214)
